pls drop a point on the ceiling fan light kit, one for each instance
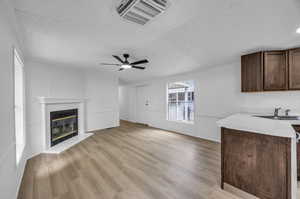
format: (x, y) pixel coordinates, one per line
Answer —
(124, 64)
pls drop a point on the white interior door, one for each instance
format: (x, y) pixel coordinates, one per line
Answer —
(142, 105)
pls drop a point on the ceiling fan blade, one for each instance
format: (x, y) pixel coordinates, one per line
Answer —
(139, 67)
(144, 61)
(118, 58)
(107, 64)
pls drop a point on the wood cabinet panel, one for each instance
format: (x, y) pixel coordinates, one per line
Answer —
(252, 72)
(294, 69)
(239, 156)
(255, 163)
(275, 70)
(298, 161)
(272, 164)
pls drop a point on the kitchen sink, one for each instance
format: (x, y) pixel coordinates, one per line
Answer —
(279, 117)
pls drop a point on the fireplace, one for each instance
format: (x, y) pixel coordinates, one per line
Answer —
(63, 125)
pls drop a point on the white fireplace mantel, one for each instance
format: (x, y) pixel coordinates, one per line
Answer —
(52, 100)
(49, 104)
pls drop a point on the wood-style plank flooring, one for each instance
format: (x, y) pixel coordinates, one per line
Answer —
(128, 162)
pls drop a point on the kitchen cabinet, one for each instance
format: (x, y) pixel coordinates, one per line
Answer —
(277, 161)
(275, 71)
(294, 69)
(271, 71)
(238, 159)
(252, 72)
(256, 163)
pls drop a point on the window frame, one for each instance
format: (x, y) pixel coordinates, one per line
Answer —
(192, 122)
(19, 148)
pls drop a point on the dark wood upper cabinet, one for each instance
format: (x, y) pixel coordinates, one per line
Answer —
(271, 71)
(275, 71)
(294, 69)
(252, 72)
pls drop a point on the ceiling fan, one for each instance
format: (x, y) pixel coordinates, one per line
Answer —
(125, 64)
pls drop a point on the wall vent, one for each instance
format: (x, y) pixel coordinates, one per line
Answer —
(141, 11)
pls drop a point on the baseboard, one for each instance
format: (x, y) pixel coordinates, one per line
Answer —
(182, 133)
(95, 130)
(21, 171)
(238, 192)
(132, 121)
(20, 179)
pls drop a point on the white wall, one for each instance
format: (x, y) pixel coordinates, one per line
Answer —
(123, 103)
(100, 90)
(48, 81)
(217, 95)
(266, 101)
(10, 172)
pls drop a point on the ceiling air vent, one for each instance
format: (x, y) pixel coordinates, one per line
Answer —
(141, 11)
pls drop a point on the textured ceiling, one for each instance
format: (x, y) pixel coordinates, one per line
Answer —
(190, 35)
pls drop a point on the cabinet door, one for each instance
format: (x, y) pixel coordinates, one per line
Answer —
(252, 72)
(257, 164)
(294, 69)
(275, 71)
(272, 167)
(239, 159)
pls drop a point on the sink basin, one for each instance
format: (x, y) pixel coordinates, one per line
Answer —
(279, 117)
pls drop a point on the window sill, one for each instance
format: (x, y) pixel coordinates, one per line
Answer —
(182, 122)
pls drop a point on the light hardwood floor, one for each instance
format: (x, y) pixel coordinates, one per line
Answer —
(128, 162)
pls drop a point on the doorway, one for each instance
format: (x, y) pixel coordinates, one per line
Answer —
(142, 105)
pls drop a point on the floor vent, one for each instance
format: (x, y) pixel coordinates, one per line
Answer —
(141, 11)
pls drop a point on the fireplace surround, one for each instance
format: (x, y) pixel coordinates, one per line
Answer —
(73, 110)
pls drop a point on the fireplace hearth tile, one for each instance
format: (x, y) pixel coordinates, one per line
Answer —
(68, 143)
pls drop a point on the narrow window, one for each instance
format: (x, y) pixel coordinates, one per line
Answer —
(181, 101)
(19, 105)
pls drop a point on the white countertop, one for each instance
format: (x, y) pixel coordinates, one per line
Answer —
(250, 123)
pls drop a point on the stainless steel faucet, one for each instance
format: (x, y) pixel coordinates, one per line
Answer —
(287, 112)
(276, 111)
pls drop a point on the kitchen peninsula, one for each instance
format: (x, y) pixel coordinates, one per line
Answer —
(259, 156)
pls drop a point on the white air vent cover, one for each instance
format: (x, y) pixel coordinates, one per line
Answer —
(141, 11)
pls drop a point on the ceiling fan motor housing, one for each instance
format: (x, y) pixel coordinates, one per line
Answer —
(126, 56)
